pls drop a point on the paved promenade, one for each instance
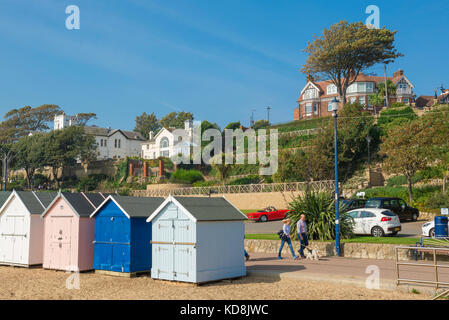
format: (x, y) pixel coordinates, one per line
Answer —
(342, 270)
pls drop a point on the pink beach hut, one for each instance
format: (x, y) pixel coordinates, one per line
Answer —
(69, 231)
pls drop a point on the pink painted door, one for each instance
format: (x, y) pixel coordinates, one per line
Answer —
(60, 242)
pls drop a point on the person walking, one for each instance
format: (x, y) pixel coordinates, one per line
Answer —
(286, 238)
(301, 228)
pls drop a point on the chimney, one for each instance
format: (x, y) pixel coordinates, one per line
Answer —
(310, 78)
(151, 135)
(398, 73)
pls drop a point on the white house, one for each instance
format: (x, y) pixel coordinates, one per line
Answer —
(112, 143)
(167, 144)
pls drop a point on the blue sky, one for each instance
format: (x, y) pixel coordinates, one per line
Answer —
(216, 59)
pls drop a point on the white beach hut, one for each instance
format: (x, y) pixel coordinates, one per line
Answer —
(21, 228)
(197, 240)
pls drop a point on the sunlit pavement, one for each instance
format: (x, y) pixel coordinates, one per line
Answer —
(341, 270)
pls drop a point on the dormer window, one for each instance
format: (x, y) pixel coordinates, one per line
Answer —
(331, 89)
(310, 93)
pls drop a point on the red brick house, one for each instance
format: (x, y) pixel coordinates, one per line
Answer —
(315, 96)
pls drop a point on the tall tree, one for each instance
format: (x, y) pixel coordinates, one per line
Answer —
(83, 118)
(175, 119)
(146, 123)
(19, 123)
(233, 125)
(29, 155)
(65, 147)
(407, 150)
(347, 49)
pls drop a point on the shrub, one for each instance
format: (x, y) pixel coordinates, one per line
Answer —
(402, 180)
(438, 200)
(209, 183)
(251, 179)
(186, 176)
(319, 208)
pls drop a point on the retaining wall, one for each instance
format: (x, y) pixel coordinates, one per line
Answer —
(349, 250)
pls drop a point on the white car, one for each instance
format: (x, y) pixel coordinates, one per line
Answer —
(376, 222)
(428, 229)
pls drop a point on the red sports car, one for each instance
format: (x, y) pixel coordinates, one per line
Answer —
(267, 214)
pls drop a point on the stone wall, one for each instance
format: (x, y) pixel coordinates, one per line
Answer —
(349, 250)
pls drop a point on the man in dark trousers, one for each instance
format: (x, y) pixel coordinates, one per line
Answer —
(301, 228)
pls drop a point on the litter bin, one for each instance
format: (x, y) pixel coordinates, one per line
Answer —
(441, 230)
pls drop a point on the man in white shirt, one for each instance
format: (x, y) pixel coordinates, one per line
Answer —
(301, 228)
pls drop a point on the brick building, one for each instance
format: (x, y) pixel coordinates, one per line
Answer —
(315, 96)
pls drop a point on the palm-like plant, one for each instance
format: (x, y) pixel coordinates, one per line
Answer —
(319, 209)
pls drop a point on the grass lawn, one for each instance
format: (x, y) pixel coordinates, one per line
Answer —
(358, 239)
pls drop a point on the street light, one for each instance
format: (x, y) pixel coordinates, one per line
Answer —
(334, 104)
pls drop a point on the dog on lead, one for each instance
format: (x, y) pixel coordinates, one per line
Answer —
(312, 254)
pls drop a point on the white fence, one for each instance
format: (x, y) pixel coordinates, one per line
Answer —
(250, 188)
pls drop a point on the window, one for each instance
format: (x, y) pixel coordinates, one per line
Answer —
(366, 214)
(352, 88)
(388, 213)
(369, 87)
(165, 154)
(331, 89)
(115, 143)
(361, 87)
(315, 108)
(148, 147)
(362, 100)
(353, 214)
(374, 203)
(406, 100)
(308, 108)
(119, 141)
(105, 143)
(164, 142)
(101, 142)
(329, 106)
(353, 99)
(309, 93)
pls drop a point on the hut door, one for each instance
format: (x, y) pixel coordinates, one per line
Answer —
(60, 242)
(164, 250)
(13, 239)
(183, 250)
(120, 238)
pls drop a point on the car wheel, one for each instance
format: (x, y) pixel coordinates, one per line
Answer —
(377, 232)
(432, 233)
(263, 218)
(414, 216)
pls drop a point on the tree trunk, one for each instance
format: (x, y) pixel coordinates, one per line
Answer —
(5, 171)
(410, 187)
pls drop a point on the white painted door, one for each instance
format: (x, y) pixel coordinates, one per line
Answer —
(183, 250)
(60, 242)
(14, 239)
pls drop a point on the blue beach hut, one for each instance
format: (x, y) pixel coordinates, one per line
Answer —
(122, 235)
(197, 240)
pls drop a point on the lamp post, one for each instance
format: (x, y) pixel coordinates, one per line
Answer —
(368, 139)
(337, 195)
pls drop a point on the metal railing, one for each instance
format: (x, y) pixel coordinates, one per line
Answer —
(434, 250)
(250, 188)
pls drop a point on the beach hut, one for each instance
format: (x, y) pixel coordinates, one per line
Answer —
(122, 235)
(69, 231)
(197, 240)
(21, 229)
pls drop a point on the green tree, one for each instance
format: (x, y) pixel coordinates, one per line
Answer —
(347, 49)
(146, 123)
(29, 155)
(407, 149)
(393, 117)
(65, 147)
(233, 125)
(84, 118)
(175, 119)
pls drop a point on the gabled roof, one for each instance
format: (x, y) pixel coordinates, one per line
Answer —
(35, 202)
(133, 207)
(80, 205)
(4, 195)
(97, 131)
(204, 209)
